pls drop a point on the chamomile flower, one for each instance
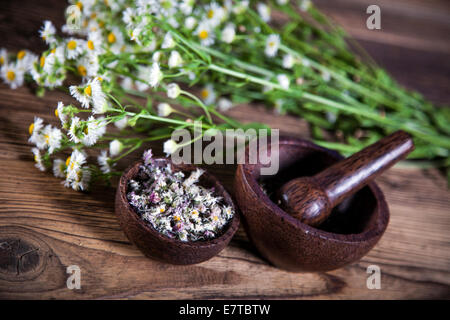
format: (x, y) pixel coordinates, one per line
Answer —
(59, 168)
(12, 75)
(175, 59)
(288, 61)
(94, 43)
(264, 12)
(168, 41)
(155, 75)
(60, 113)
(304, 5)
(74, 163)
(214, 14)
(115, 40)
(115, 147)
(208, 94)
(164, 109)
(205, 34)
(122, 123)
(75, 130)
(190, 22)
(272, 45)
(94, 129)
(3, 57)
(90, 93)
(170, 147)
(35, 132)
(74, 47)
(228, 33)
(173, 90)
(48, 32)
(88, 65)
(224, 104)
(186, 6)
(52, 138)
(81, 182)
(104, 162)
(39, 163)
(283, 80)
(25, 60)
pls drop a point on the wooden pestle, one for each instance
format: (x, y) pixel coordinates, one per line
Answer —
(311, 199)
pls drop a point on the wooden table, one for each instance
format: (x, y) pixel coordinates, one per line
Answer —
(44, 227)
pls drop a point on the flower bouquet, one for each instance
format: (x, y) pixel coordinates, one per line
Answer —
(135, 64)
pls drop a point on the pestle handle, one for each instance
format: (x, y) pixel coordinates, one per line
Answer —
(350, 175)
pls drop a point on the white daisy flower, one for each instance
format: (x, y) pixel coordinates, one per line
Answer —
(228, 33)
(164, 109)
(48, 32)
(214, 14)
(103, 161)
(205, 34)
(25, 60)
(186, 6)
(94, 43)
(208, 94)
(175, 59)
(155, 75)
(12, 75)
(81, 182)
(35, 133)
(122, 123)
(38, 159)
(190, 22)
(95, 129)
(59, 168)
(304, 5)
(170, 147)
(74, 163)
(168, 41)
(283, 80)
(115, 147)
(74, 130)
(52, 138)
(88, 65)
(224, 104)
(156, 56)
(173, 90)
(264, 12)
(3, 57)
(115, 40)
(128, 16)
(74, 47)
(288, 61)
(59, 113)
(272, 45)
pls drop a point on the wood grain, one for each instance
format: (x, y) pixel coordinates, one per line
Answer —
(44, 227)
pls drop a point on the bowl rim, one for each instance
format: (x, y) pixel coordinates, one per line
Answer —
(374, 231)
(232, 227)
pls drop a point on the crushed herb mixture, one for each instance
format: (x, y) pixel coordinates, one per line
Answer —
(177, 206)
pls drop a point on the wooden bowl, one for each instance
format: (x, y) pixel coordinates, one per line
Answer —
(353, 228)
(156, 245)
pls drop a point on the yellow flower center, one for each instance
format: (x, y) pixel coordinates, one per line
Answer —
(21, 54)
(100, 79)
(36, 159)
(90, 45)
(111, 38)
(86, 130)
(82, 70)
(93, 15)
(42, 61)
(215, 218)
(161, 210)
(271, 44)
(2, 61)
(53, 50)
(88, 90)
(177, 218)
(31, 128)
(101, 24)
(204, 93)
(10, 75)
(47, 138)
(67, 161)
(195, 212)
(203, 34)
(56, 113)
(210, 14)
(71, 45)
(79, 5)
